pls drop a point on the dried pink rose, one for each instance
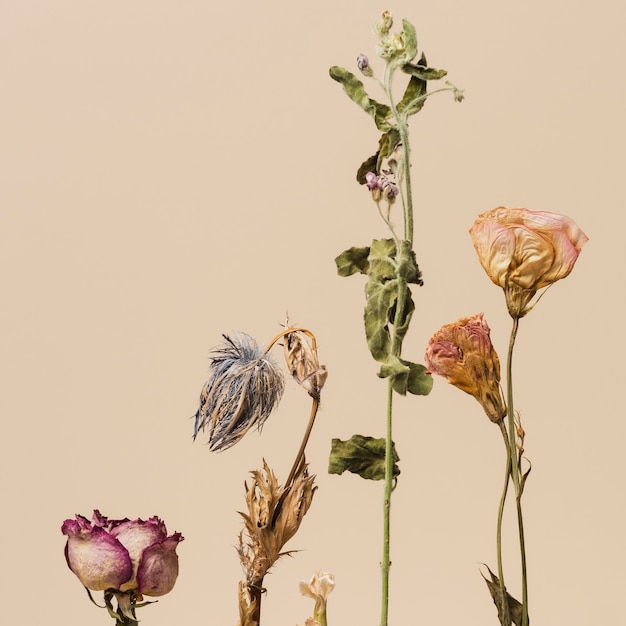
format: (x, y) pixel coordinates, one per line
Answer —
(122, 555)
(462, 353)
(524, 251)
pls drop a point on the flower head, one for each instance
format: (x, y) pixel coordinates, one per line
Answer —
(462, 353)
(123, 557)
(318, 588)
(243, 388)
(524, 251)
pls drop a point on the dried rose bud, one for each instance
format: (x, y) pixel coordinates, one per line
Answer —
(524, 251)
(462, 353)
(128, 559)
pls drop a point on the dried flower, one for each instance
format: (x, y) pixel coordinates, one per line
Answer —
(303, 363)
(128, 559)
(273, 518)
(318, 588)
(243, 388)
(462, 352)
(523, 251)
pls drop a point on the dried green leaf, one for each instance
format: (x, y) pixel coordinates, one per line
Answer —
(422, 72)
(419, 383)
(513, 605)
(354, 88)
(412, 100)
(406, 376)
(382, 259)
(386, 145)
(410, 40)
(380, 297)
(361, 455)
(352, 261)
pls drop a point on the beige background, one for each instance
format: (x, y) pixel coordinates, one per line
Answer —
(174, 170)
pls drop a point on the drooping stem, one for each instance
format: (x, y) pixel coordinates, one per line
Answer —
(515, 469)
(507, 476)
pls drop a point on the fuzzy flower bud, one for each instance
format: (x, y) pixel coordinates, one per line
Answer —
(524, 251)
(363, 63)
(385, 24)
(462, 353)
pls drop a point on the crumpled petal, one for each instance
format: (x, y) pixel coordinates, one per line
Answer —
(524, 251)
(158, 568)
(98, 559)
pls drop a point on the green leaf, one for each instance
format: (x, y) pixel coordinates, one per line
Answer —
(369, 165)
(407, 265)
(423, 73)
(406, 376)
(419, 383)
(413, 100)
(410, 40)
(361, 455)
(355, 89)
(382, 259)
(386, 145)
(352, 261)
(380, 297)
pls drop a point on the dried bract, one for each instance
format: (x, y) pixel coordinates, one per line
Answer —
(243, 388)
(303, 363)
(273, 518)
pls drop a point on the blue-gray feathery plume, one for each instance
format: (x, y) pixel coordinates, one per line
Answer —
(243, 388)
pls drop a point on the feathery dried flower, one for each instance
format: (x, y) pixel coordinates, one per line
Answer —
(273, 518)
(462, 352)
(243, 388)
(303, 363)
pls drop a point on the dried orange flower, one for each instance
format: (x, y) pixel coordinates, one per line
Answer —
(524, 251)
(462, 352)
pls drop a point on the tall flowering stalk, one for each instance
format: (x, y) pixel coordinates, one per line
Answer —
(524, 252)
(389, 264)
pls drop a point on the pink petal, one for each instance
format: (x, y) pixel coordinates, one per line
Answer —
(99, 560)
(158, 568)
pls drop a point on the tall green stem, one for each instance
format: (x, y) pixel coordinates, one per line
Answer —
(386, 562)
(515, 469)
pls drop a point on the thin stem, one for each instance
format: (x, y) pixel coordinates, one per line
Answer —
(507, 476)
(515, 469)
(386, 562)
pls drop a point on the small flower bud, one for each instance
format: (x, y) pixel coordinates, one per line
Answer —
(390, 191)
(363, 63)
(385, 24)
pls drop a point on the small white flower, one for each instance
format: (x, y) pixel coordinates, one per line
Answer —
(320, 585)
